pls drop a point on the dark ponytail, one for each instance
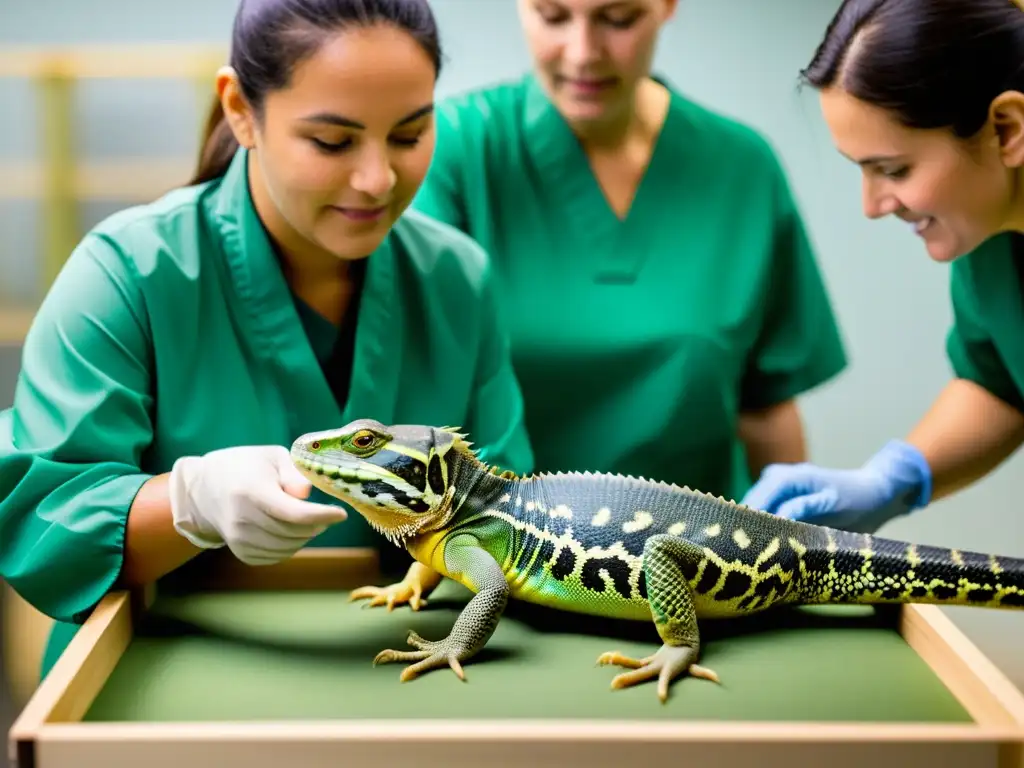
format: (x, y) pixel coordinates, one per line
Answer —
(931, 63)
(271, 37)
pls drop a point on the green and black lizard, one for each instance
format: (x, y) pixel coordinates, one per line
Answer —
(610, 545)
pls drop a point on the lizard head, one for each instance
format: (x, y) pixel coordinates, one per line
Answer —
(398, 477)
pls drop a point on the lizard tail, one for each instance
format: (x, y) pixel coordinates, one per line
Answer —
(856, 568)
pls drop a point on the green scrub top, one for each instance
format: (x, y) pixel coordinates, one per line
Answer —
(985, 343)
(171, 331)
(638, 342)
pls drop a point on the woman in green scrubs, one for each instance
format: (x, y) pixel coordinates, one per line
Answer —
(664, 303)
(927, 97)
(187, 342)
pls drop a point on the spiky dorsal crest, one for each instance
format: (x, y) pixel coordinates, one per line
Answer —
(461, 443)
(463, 446)
(659, 484)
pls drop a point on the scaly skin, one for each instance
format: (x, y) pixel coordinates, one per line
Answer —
(609, 545)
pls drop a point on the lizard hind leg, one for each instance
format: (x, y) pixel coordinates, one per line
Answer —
(666, 561)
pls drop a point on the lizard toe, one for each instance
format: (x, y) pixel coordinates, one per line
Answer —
(666, 665)
(435, 660)
(620, 660)
(389, 656)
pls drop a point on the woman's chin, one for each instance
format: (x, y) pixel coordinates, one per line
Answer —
(944, 246)
(351, 243)
(944, 254)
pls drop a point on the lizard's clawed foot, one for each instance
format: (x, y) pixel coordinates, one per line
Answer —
(432, 654)
(668, 663)
(391, 595)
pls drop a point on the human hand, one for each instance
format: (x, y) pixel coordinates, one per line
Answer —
(893, 482)
(250, 499)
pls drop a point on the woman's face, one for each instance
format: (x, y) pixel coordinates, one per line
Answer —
(341, 152)
(953, 193)
(591, 54)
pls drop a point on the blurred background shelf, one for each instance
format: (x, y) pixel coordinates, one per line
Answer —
(58, 178)
(126, 180)
(14, 323)
(113, 60)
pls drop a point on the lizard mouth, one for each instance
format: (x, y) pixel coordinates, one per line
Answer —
(356, 482)
(334, 467)
(351, 481)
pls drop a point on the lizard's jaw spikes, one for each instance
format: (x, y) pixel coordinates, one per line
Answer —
(397, 535)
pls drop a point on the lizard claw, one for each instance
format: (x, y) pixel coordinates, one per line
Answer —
(431, 654)
(391, 595)
(418, 642)
(668, 663)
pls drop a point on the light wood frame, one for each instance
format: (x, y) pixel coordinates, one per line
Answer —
(49, 732)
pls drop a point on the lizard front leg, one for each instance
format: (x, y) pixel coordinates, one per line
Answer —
(466, 561)
(420, 580)
(674, 615)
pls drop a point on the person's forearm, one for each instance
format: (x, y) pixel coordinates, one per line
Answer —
(966, 434)
(774, 434)
(152, 547)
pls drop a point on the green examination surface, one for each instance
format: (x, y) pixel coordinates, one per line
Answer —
(258, 656)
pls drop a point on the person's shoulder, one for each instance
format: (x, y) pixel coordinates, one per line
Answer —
(441, 251)
(123, 261)
(485, 103)
(479, 134)
(715, 133)
(487, 118)
(168, 230)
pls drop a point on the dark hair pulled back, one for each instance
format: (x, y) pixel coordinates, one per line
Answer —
(932, 63)
(271, 37)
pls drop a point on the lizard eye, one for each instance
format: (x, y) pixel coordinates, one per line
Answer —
(315, 445)
(363, 440)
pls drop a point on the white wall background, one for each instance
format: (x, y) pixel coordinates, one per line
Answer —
(739, 56)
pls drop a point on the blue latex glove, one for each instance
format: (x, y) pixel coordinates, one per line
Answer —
(893, 482)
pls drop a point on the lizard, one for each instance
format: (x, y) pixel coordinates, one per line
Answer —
(609, 545)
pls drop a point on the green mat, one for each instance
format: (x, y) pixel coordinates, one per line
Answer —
(307, 655)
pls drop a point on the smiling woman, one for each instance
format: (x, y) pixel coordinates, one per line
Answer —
(343, 146)
(188, 342)
(927, 96)
(655, 330)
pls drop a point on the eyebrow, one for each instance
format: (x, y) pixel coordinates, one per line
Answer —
(873, 160)
(346, 122)
(610, 5)
(879, 159)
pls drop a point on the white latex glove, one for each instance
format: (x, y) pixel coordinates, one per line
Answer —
(250, 499)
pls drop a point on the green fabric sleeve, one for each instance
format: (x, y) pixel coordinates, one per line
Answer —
(799, 345)
(440, 195)
(70, 445)
(969, 346)
(497, 418)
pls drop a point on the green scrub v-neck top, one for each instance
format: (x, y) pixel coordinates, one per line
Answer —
(171, 331)
(985, 343)
(638, 342)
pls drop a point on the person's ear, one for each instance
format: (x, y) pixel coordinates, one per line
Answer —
(670, 10)
(1006, 115)
(237, 111)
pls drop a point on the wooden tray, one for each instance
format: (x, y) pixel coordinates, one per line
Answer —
(53, 730)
